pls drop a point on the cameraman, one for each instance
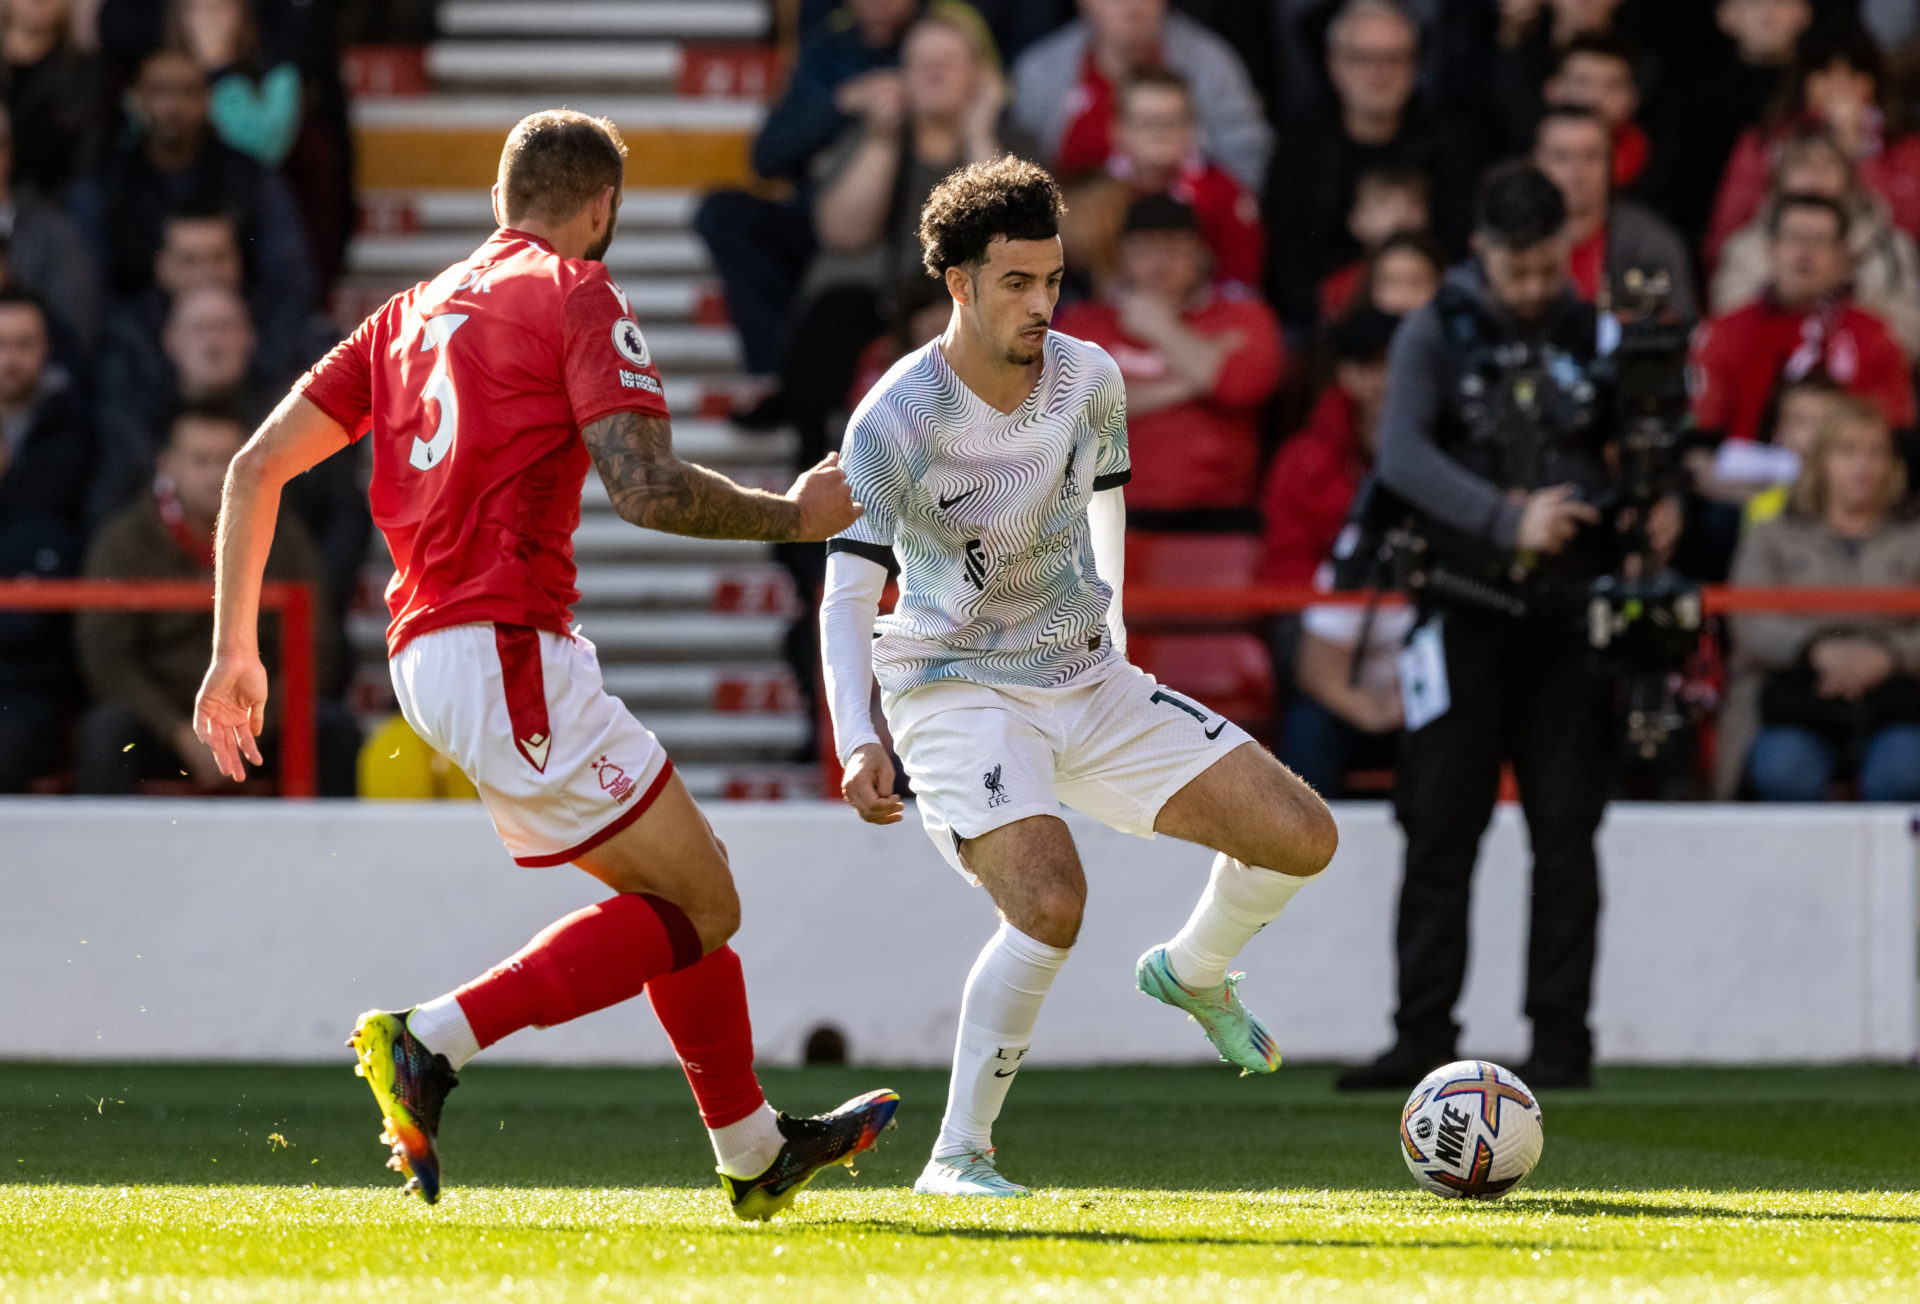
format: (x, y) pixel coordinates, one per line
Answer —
(1495, 428)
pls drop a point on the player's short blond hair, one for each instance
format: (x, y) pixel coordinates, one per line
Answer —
(556, 162)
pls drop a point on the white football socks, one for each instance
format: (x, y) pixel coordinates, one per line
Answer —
(1239, 901)
(1004, 992)
(747, 1148)
(441, 1026)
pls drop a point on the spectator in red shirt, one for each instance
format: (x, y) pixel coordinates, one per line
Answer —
(1387, 201)
(1611, 237)
(1404, 273)
(1064, 86)
(1839, 78)
(1157, 139)
(1319, 468)
(1332, 720)
(1596, 73)
(1804, 321)
(1199, 363)
(1886, 263)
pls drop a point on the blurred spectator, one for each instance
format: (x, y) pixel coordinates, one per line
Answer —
(840, 72)
(1403, 274)
(46, 254)
(237, 42)
(761, 247)
(1531, 38)
(1319, 468)
(868, 193)
(1157, 152)
(1371, 53)
(1199, 363)
(1387, 201)
(1596, 73)
(1726, 90)
(1838, 77)
(174, 164)
(1885, 263)
(1611, 237)
(1456, 44)
(1820, 699)
(1336, 720)
(254, 106)
(54, 90)
(1798, 416)
(1064, 87)
(46, 456)
(1804, 322)
(144, 668)
(207, 358)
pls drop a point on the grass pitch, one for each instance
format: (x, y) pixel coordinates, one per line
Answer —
(240, 1184)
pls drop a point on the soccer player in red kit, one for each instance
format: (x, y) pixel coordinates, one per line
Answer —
(486, 393)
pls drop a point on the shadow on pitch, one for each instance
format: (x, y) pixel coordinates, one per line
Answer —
(1122, 1239)
(1627, 1208)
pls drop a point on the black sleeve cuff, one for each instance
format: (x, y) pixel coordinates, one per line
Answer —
(877, 553)
(1111, 480)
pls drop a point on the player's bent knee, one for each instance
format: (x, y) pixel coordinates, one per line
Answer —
(1303, 839)
(716, 917)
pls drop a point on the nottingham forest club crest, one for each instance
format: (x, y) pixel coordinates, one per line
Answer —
(613, 780)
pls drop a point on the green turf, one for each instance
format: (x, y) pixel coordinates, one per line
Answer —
(212, 1183)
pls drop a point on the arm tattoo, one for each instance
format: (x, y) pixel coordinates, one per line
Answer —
(653, 488)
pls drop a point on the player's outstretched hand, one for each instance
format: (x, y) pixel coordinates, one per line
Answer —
(867, 784)
(231, 711)
(825, 500)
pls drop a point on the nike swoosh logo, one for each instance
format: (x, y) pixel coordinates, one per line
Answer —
(1004, 1073)
(945, 503)
(1215, 731)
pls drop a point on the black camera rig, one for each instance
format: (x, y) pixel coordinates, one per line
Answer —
(1642, 623)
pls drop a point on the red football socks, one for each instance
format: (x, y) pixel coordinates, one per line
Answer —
(593, 958)
(704, 1010)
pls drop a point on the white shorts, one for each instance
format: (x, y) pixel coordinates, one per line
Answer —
(1115, 745)
(561, 766)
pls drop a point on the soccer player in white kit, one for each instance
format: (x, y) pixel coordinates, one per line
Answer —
(990, 464)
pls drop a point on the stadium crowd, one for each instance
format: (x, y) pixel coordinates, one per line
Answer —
(1258, 193)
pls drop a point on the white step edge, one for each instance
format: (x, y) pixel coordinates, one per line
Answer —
(708, 732)
(452, 112)
(735, 19)
(472, 209)
(710, 782)
(692, 684)
(554, 62)
(664, 635)
(427, 255)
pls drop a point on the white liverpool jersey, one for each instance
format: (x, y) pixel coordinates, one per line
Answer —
(984, 514)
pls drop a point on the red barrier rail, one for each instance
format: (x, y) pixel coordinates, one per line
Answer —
(1151, 604)
(294, 602)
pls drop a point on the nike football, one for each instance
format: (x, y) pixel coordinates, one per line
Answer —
(1471, 1130)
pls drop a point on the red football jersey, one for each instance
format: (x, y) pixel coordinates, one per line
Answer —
(476, 386)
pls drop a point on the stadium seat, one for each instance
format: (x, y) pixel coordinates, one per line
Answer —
(1205, 561)
(1228, 673)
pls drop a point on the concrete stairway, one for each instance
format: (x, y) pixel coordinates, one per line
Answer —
(689, 631)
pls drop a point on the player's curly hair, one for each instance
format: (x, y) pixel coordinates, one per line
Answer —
(1007, 198)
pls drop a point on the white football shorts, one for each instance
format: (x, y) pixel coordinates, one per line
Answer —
(561, 765)
(1115, 745)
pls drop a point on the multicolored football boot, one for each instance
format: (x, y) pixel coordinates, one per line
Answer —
(410, 1083)
(1240, 1038)
(812, 1144)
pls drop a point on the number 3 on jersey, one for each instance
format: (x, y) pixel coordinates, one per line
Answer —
(436, 335)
